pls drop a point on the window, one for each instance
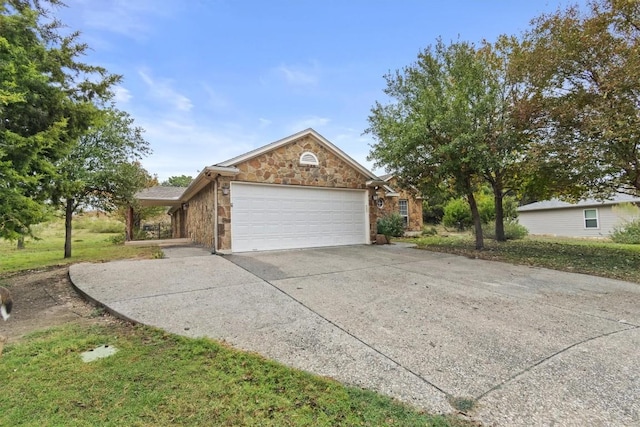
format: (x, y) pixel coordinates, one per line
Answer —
(403, 209)
(308, 158)
(590, 218)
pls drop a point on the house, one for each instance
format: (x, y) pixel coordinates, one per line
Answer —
(403, 202)
(301, 191)
(587, 218)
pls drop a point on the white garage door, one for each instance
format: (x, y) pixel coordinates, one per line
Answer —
(266, 217)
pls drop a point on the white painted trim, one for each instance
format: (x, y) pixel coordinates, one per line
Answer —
(584, 219)
(207, 175)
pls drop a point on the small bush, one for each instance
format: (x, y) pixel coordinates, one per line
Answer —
(429, 231)
(457, 214)
(391, 225)
(628, 233)
(118, 239)
(512, 230)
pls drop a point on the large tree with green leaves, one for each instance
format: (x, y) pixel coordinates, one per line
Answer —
(509, 124)
(101, 171)
(586, 65)
(47, 101)
(177, 181)
(434, 132)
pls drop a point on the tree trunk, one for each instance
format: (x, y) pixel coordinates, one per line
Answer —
(477, 222)
(128, 236)
(21, 242)
(68, 216)
(497, 197)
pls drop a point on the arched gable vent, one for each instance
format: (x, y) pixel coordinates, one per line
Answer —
(308, 158)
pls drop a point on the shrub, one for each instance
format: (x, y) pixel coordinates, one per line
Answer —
(118, 239)
(429, 231)
(457, 214)
(628, 233)
(391, 225)
(512, 230)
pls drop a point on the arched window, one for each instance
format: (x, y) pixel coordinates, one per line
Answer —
(308, 158)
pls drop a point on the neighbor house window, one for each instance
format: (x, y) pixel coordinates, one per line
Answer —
(403, 209)
(590, 218)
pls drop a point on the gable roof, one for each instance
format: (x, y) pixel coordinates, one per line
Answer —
(559, 204)
(284, 141)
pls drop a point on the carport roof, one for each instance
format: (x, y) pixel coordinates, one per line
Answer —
(160, 196)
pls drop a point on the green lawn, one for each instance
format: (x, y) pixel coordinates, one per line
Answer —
(160, 379)
(92, 241)
(595, 257)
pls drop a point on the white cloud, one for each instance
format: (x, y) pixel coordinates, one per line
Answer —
(184, 147)
(297, 77)
(308, 122)
(125, 17)
(264, 122)
(162, 90)
(121, 95)
(215, 100)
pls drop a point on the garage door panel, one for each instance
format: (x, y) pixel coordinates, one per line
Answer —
(267, 217)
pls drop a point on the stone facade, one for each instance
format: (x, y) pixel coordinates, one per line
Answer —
(282, 166)
(199, 217)
(414, 206)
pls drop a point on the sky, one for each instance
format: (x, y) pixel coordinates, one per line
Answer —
(211, 79)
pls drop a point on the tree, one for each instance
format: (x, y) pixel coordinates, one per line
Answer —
(47, 100)
(436, 130)
(101, 170)
(587, 68)
(177, 181)
(509, 124)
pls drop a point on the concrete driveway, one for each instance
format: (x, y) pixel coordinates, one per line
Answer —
(529, 346)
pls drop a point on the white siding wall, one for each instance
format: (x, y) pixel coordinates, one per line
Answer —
(569, 222)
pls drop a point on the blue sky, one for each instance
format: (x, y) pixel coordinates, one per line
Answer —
(211, 79)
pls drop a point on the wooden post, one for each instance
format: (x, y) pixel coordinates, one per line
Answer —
(129, 226)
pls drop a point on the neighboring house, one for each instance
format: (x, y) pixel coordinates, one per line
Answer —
(301, 191)
(408, 205)
(587, 218)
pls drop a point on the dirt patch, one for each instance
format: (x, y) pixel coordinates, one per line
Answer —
(46, 298)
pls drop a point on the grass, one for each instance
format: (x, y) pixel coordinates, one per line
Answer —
(92, 241)
(595, 257)
(158, 378)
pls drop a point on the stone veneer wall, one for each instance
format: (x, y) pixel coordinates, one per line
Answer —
(178, 224)
(415, 212)
(199, 217)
